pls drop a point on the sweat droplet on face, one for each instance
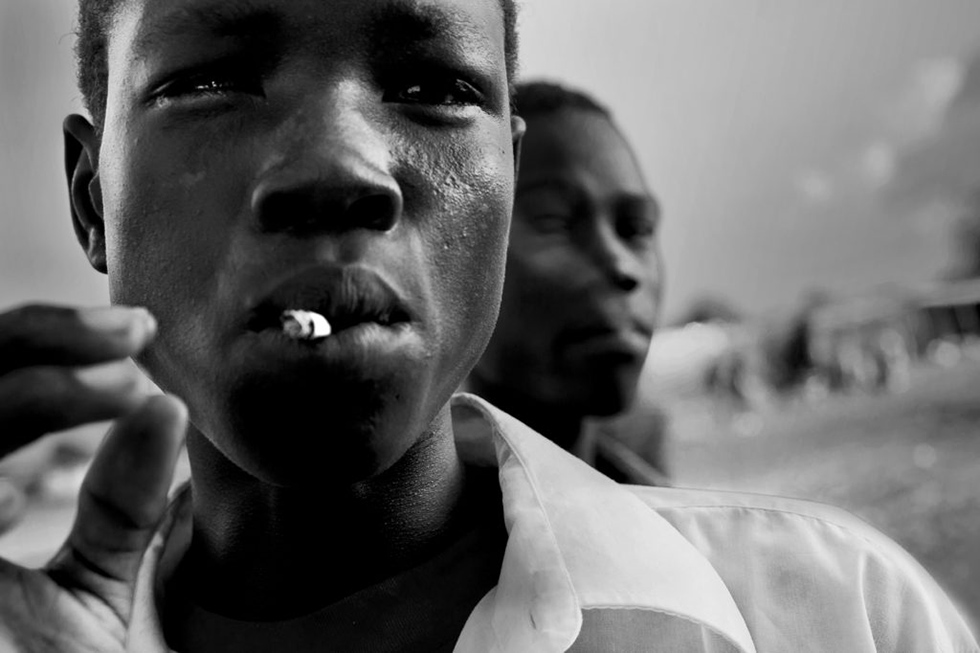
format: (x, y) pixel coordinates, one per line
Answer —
(304, 325)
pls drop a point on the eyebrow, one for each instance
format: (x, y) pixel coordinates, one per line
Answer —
(647, 200)
(399, 26)
(547, 184)
(241, 20)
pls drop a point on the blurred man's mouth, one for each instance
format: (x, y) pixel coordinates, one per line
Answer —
(626, 340)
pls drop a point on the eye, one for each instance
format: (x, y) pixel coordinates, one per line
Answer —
(213, 83)
(637, 221)
(632, 226)
(435, 89)
(552, 222)
(637, 229)
(549, 209)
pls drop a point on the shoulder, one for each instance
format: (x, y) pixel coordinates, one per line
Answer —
(792, 565)
(688, 508)
(791, 535)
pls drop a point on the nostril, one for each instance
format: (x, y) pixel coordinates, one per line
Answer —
(377, 211)
(302, 210)
(626, 282)
(317, 202)
(285, 211)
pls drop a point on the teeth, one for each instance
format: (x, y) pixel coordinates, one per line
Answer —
(304, 325)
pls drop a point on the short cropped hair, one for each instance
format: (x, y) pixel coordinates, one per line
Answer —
(538, 97)
(92, 63)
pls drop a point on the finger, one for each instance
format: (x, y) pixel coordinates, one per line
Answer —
(13, 502)
(36, 335)
(122, 500)
(40, 400)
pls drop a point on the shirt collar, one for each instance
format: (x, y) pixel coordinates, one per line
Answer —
(578, 540)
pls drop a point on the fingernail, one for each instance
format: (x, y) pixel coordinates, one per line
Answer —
(118, 318)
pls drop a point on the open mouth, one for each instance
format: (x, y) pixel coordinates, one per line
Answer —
(346, 297)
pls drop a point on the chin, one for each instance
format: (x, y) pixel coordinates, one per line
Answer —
(318, 429)
(605, 393)
(607, 404)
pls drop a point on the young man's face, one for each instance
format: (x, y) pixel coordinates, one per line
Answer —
(350, 157)
(583, 269)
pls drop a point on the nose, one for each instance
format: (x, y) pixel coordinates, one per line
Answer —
(615, 261)
(332, 171)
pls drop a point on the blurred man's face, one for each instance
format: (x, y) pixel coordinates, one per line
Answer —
(583, 270)
(350, 157)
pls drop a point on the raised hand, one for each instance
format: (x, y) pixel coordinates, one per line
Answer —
(59, 368)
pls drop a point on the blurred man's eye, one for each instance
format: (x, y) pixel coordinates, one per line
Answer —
(637, 220)
(550, 211)
(636, 228)
(554, 222)
(434, 89)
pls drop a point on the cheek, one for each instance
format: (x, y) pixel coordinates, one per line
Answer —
(166, 229)
(467, 238)
(534, 306)
(659, 270)
(654, 266)
(545, 274)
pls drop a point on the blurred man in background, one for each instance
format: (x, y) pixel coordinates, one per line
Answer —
(583, 284)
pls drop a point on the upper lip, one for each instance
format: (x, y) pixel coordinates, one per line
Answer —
(346, 296)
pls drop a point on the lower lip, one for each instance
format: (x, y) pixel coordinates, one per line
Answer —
(629, 344)
(368, 339)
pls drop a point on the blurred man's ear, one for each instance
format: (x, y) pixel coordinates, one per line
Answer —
(517, 129)
(84, 188)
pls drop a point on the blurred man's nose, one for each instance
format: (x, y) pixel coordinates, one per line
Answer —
(616, 262)
(331, 169)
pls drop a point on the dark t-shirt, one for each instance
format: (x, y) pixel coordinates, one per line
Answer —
(421, 609)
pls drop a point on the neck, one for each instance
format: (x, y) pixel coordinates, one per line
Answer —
(554, 421)
(256, 547)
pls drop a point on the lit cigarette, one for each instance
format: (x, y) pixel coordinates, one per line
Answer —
(304, 325)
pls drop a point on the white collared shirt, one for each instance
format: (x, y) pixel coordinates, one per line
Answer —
(593, 566)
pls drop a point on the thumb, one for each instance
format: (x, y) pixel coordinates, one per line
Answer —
(122, 500)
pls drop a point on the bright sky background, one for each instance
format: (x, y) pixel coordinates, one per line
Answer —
(770, 129)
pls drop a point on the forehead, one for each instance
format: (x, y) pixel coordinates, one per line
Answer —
(142, 25)
(580, 147)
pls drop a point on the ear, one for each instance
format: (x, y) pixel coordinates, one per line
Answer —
(517, 129)
(82, 144)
